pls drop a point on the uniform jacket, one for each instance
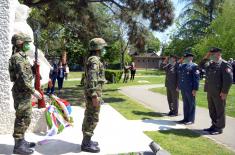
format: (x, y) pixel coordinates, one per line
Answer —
(219, 76)
(171, 80)
(21, 73)
(94, 76)
(188, 77)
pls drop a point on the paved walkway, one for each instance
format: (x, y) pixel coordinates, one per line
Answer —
(115, 134)
(158, 103)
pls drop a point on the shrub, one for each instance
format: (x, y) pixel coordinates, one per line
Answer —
(113, 76)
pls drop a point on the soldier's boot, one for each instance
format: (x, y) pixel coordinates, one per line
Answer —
(88, 146)
(29, 144)
(21, 148)
(95, 143)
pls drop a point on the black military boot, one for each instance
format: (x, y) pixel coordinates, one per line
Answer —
(21, 148)
(88, 146)
(95, 143)
(29, 144)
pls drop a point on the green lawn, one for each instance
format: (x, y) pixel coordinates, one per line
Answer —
(74, 75)
(187, 142)
(129, 108)
(202, 100)
(149, 72)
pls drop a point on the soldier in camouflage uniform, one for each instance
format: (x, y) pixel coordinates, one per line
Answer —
(219, 78)
(21, 75)
(94, 80)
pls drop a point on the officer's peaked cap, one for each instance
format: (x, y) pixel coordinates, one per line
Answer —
(215, 49)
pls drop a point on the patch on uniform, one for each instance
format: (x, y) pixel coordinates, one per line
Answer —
(228, 70)
(197, 72)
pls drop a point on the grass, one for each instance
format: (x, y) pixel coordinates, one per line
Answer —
(150, 72)
(129, 108)
(74, 75)
(202, 100)
(187, 142)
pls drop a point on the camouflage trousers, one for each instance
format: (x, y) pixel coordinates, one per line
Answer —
(91, 118)
(23, 108)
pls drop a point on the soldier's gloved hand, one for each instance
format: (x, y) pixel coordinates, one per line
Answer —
(223, 96)
(37, 95)
(95, 101)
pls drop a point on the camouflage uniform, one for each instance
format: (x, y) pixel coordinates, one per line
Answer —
(21, 75)
(94, 80)
(21, 91)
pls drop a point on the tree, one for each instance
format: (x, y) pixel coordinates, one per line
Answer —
(80, 14)
(197, 17)
(223, 28)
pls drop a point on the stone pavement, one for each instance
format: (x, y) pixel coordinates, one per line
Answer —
(158, 103)
(115, 134)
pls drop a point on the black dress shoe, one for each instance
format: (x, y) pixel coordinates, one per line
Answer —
(216, 131)
(188, 123)
(209, 129)
(173, 115)
(170, 113)
(181, 122)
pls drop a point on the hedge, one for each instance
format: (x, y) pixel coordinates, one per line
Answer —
(113, 76)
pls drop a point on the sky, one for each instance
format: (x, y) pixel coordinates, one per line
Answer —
(164, 36)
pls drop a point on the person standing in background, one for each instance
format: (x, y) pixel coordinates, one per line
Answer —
(126, 73)
(60, 76)
(133, 71)
(52, 78)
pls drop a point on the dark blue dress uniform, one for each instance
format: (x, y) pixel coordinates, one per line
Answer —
(188, 81)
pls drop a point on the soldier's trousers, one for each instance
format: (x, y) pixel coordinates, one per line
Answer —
(23, 108)
(216, 110)
(91, 118)
(173, 99)
(188, 105)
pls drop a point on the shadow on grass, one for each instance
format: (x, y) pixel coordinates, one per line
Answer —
(148, 114)
(75, 95)
(113, 99)
(181, 132)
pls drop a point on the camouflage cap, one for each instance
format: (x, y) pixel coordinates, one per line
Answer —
(97, 44)
(20, 38)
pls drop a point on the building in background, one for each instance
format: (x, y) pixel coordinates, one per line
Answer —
(147, 61)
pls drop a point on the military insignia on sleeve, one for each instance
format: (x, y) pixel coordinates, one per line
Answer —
(228, 70)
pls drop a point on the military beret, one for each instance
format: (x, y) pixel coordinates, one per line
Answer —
(187, 54)
(215, 49)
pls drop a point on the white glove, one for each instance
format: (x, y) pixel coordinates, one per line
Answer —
(37, 95)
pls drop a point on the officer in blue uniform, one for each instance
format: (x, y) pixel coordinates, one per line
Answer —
(188, 83)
